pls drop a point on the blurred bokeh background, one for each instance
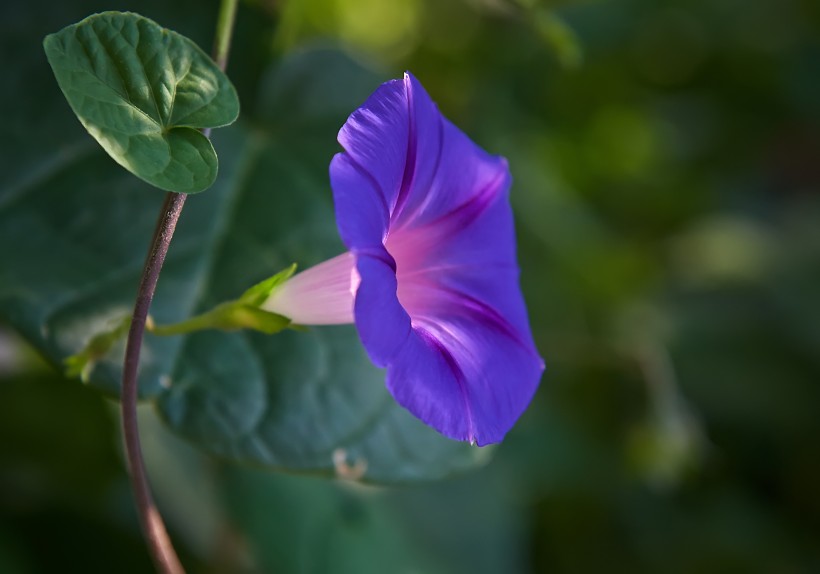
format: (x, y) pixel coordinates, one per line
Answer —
(666, 156)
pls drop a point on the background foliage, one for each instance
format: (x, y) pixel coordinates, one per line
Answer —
(667, 185)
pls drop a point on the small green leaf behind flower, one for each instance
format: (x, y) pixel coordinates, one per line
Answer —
(144, 92)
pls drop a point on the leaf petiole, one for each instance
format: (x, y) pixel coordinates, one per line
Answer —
(230, 316)
(242, 313)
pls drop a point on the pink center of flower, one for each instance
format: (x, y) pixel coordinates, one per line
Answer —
(325, 294)
(409, 249)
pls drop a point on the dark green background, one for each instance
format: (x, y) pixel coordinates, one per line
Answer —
(667, 193)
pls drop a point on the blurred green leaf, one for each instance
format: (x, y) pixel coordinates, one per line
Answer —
(559, 37)
(295, 401)
(143, 92)
(304, 525)
(297, 524)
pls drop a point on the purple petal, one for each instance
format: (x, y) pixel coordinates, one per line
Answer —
(361, 213)
(424, 147)
(382, 322)
(462, 375)
(376, 137)
(451, 174)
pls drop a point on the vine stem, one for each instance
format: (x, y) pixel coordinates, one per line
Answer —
(159, 543)
(153, 527)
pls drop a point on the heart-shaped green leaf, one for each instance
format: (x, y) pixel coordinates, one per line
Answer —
(144, 92)
(301, 401)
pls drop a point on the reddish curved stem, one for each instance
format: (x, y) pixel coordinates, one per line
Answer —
(159, 543)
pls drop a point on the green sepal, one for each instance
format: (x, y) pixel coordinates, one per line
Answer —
(260, 292)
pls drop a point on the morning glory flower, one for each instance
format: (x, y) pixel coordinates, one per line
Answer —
(430, 278)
